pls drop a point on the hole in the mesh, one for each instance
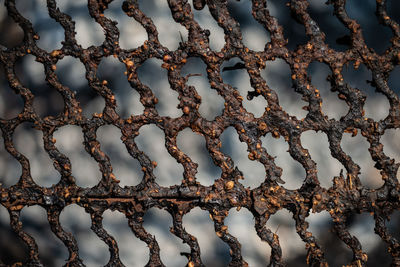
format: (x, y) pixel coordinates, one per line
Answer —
(253, 171)
(392, 10)
(169, 31)
(29, 142)
(318, 147)
(212, 103)
(167, 98)
(12, 248)
(377, 105)
(52, 252)
(277, 74)
(357, 148)
(293, 31)
(47, 101)
(125, 168)
(206, 21)
(393, 224)
(92, 250)
(293, 172)
(50, 32)
(241, 225)
(394, 80)
(151, 141)
(88, 31)
(323, 15)
(11, 34)
(332, 106)
(132, 251)
(10, 169)
(131, 33)
(293, 248)
(84, 168)
(240, 80)
(376, 35)
(254, 35)
(194, 146)
(391, 145)
(362, 227)
(321, 226)
(158, 222)
(11, 104)
(71, 73)
(214, 252)
(128, 99)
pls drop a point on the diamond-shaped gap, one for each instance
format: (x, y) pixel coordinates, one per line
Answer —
(52, 252)
(394, 80)
(69, 141)
(167, 98)
(158, 223)
(336, 34)
(362, 227)
(206, 21)
(253, 171)
(241, 225)
(11, 104)
(47, 101)
(131, 33)
(212, 104)
(151, 141)
(132, 251)
(391, 145)
(255, 36)
(293, 172)
(169, 31)
(332, 106)
(10, 169)
(277, 74)
(214, 252)
(376, 35)
(357, 148)
(128, 99)
(321, 226)
(11, 34)
(88, 31)
(318, 147)
(237, 76)
(293, 31)
(92, 250)
(51, 33)
(125, 168)
(29, 142)
(12, 248)
(293, 248)
(194, 146)
(71, 73)
(377, 105)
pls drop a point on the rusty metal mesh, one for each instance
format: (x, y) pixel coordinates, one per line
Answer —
(346, 195)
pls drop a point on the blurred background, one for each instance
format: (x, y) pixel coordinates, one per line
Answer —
(133, 252)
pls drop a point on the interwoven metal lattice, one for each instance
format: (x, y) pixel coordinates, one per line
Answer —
(346, 196)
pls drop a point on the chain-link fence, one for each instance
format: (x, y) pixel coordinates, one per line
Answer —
(225, 187)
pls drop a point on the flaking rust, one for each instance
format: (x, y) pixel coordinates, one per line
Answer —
(346, 196)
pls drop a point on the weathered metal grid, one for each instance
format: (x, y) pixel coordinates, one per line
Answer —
(346, 196)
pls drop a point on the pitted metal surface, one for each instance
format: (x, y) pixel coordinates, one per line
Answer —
(347, 195)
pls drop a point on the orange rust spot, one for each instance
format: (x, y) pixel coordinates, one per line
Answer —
(229, 185)
(186, 110)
